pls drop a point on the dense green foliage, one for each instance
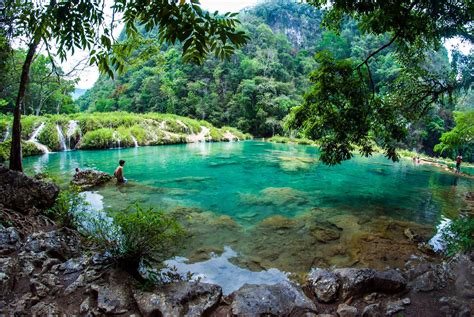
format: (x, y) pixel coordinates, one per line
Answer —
(459, 235)
(68, 208)
(145, 237)
(253, 90)
(460, 140)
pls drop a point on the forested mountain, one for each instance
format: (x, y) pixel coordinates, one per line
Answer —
(256, 88)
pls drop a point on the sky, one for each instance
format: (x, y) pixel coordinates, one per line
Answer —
(89, 74)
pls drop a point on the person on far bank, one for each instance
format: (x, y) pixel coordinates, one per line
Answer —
(458, 163)
(119, 173)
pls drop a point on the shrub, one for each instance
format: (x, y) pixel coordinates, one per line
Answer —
(28, 124)
(97, 139)
(145, 237)
(67, 208)
(459, 235)
(216, 134)
(49, 136)
(139, 133)
(28, 149)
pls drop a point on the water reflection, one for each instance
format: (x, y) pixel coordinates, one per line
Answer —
(219, 270)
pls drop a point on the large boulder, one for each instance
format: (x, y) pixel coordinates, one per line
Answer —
(357, 282)
(283, 299)
(22, 193)
(90, 178)
(323, 284)
(179, 299)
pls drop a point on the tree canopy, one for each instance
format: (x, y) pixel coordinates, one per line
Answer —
(344, 117)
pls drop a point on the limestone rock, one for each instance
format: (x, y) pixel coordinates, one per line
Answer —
(90, 178)
(344, 310)
(390, 281)
(372, 310)
(55, 243)
(324, 285)
(114, 296)
(179, 299)
(22, 193)
(9, 240)
(394, 307)
(357, 282)
(45, 309)
(278, 300)
(425, 282)
(8, 269)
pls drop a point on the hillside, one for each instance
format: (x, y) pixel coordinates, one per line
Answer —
(255, 90)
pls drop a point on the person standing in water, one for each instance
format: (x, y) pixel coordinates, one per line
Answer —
(119, 173)
(458, 164)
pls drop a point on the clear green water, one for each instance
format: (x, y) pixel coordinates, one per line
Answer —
(275, 204)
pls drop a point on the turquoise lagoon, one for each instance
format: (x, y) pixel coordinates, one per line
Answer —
(275, 206)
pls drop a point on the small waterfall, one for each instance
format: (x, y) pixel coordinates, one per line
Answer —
(116, 137)
(71, 130)
(33, 139)
(134, 141)
(7, 134)
(62, 140)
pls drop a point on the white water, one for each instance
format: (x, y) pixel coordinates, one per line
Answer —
(33, 138)
(200, 137)
(134, 141)
(7, 134)
(116, 137)
(72, 128)
(62, 140)
(437, 242)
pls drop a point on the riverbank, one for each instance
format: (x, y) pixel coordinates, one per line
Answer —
(50, 270)
(444, 163)
(43, 134)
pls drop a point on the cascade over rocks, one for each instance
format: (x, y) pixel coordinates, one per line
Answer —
(90, 178)
(179, 299)
(22, 193)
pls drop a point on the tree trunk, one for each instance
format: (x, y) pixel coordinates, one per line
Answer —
(15, 151)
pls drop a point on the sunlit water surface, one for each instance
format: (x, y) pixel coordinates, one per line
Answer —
(273, 207)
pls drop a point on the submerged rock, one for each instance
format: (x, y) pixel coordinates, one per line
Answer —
(276, 300)
(22, 193)
(90, 178)
(179, 299)
(324, 285)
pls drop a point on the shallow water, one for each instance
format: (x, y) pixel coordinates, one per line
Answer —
(276, 205)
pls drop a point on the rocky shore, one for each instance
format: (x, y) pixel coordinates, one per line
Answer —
(46, 270)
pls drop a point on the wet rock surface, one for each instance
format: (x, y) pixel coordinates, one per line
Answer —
(89, 178)
(277, 300)
(22, 193)
(179, 299)
(324, 284)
